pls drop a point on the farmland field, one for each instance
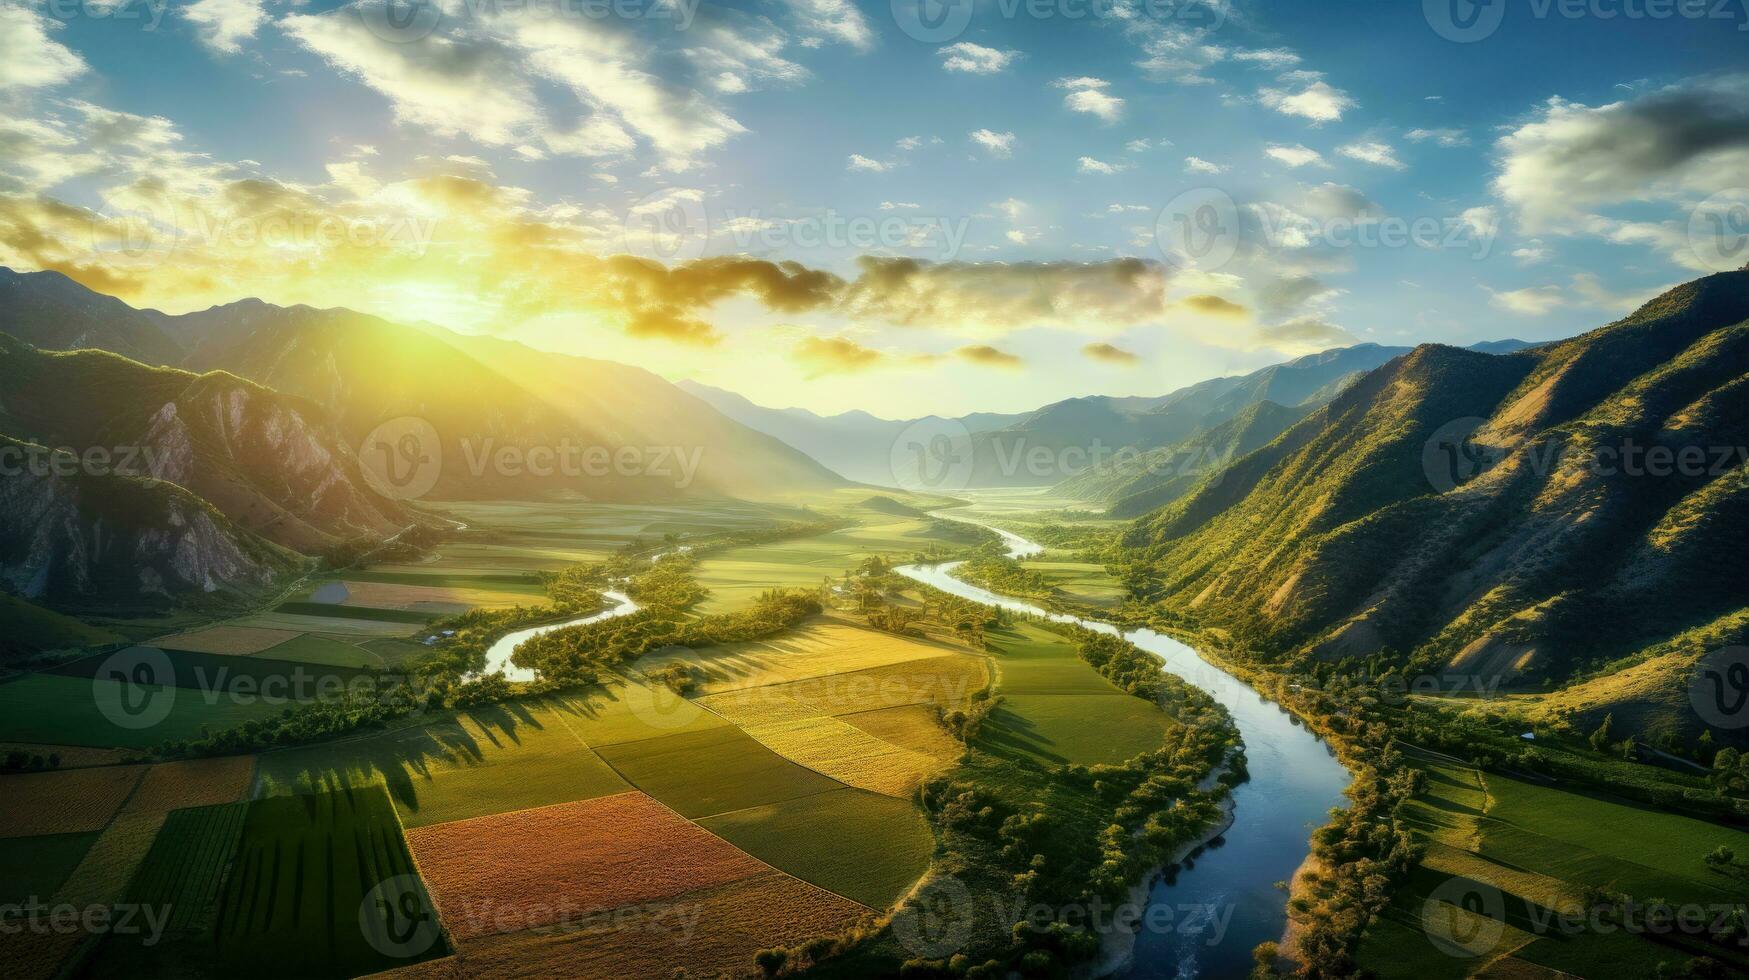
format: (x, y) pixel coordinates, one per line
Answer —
(808, 837)
(847, 754)
(1541, 847)
(909, 726)
(818, 649)
(595, 855)
(485, 760)
(34, 867)
(303, 869)
(1085, 581)
(708, 932)
(737, 575)
(75, 801)
(713, 771)
(48, 708)
(186, 867)
(224, 639)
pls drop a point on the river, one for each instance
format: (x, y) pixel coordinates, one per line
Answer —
(498, 656)
(1295, 780)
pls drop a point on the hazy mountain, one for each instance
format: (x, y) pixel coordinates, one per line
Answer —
(48, 310)
(271, 463)
(856, 445)
(1137, 484)
(1492, 515)
(561, 422)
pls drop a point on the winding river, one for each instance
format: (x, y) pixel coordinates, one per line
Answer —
(1227, 902)
(498, 655)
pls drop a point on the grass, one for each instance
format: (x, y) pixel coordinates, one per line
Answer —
(909, 726)
(1083, 581)
(73, 801)
(331, 651)
(320, 622)
(864, 846)
(31, 629)
(593, 855)
(736, 576)
(185, 870)
(715, 771)
(1059, 729)
(35, 867)
(626, 710)
(483, 761)
(303, 869)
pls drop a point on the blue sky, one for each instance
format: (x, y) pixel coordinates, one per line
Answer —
(496, 155)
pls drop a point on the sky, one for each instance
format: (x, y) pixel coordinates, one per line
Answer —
(906, 207)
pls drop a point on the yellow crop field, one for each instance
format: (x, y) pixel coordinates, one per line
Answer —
(821, 648)
(237, 640)
(103, 874)
(758, 705)
(710, 932)
(523, 870)
(847, 754)
(949, 681)
(72, 802)
(909, 726)
(389, 595)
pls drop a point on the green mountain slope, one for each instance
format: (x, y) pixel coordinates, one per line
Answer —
(1490, 516)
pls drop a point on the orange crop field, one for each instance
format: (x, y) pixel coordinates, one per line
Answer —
(531, 868)
(710, 932)
(71, 802)
(197, 782)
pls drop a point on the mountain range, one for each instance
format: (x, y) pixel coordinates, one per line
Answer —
(1577, 510)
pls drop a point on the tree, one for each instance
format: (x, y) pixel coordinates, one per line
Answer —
(770, 961)
(1600, 738)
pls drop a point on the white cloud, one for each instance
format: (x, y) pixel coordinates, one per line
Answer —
(1197, 165)
(1298, 155)
(29, 58)
(975, 59)
(860, 162)
(1373, 152)
(1089, 165)
(1533, 252)
(824, 21)
(1088, 95)
(1531, 300)
(898, 206)
(999, 144)
(1443, 137)
(1668, 145)
(1317, 101)
(223, 25)
(1273, 59)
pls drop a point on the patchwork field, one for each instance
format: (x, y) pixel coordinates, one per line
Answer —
(812, 838)
(35, 867)
(593, 855)
(185, 870)
(709, 932)
(427, 599)
(70, 802)
(822, 648)
(909, 726)
(483, 761)
(713, 771)
(54, 709)
(1541, 847)
(303, 869)
(224, 639)
(847, 754)
(736, 576)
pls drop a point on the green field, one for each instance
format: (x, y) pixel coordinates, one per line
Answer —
(1057, 710)
(738, 575)
(251, 674)
(1084, 581)
(485, 760)
(63, 710)
(703, 773)
(185, 870)
(303, 869)
(1541, 846)
(864, 846)
(33, 867)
